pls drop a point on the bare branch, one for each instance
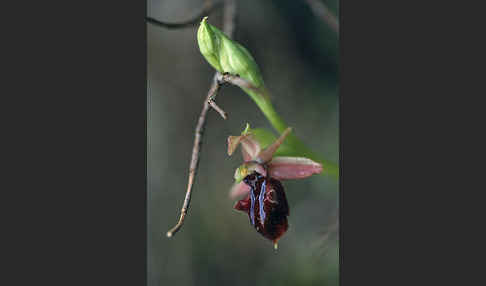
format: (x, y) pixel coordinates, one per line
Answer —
(321, 11)
(221, 112)
(228, 22)
(194, 21)
(234, 80)
(195, 154)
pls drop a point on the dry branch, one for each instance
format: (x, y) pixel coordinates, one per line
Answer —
(228, 27)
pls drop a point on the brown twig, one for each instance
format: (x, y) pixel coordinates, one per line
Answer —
(321, 10)
(241, 82)
(221, 112)
(194, 21)
(234, 80)
(228, 27)
(195, 154)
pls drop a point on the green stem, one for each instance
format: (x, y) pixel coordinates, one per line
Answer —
(263, 102)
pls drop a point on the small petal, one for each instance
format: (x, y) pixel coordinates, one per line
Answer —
(238, 190)
(233, 142)
(267, 154)
(246, 156)
(250, 147)
(286, 168)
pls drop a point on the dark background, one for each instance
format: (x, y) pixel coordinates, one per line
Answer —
(299, 58)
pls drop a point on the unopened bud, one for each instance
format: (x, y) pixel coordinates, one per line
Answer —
(226, 55)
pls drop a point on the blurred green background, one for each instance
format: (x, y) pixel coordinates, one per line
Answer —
(299, 58)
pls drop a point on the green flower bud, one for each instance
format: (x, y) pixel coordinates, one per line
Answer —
(226, 55)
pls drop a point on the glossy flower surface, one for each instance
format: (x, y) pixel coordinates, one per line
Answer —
(266, 206)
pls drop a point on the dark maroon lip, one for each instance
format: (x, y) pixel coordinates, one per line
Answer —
(266, 206)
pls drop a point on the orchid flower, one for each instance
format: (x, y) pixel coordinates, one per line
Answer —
(262, 161)
(258, 179)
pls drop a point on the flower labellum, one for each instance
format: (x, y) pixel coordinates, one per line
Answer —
(266, 206)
